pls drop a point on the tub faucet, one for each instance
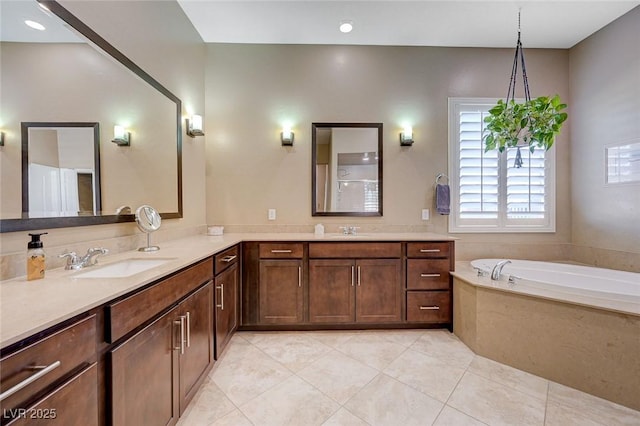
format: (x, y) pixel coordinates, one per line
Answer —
(497, 270)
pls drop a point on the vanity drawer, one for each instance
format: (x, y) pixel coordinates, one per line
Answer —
(429, 250)
(281, 251)
(59, 355)
(428, 306)
(225, 259)
(127, 314)
(354, 250)
(428, 274)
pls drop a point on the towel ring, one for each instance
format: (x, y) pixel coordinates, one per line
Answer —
(440, 176)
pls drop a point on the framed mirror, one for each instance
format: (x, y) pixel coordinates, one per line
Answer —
(346, 169)
(60, 169)
(72, 75)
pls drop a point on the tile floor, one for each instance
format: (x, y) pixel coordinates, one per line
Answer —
(397, 377)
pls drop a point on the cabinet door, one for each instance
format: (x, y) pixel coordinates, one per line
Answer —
(331, 291)
(197, 314)
(226, 299)
(144, 376)
(73, 403)
(281, 292)
(379, 290)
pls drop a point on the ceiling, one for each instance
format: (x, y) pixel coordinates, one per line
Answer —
(475, 23)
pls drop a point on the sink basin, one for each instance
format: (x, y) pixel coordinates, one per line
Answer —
(348, 236)
(121, 269)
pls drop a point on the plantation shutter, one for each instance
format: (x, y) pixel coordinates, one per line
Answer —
(490, 193)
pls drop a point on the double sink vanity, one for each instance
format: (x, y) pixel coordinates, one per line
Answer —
(130, 340)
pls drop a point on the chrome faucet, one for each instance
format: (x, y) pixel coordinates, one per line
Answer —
(349, 230)
(76, 262)
(497, 270)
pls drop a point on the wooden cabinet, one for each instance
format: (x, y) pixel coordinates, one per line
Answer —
(429, 295)
(367, 290)
(281, 283)
(53, 380)
(226, 297)
(281, 292)
(156, 371)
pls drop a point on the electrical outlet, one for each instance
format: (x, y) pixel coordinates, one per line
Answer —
(272, 214)
(425, 214)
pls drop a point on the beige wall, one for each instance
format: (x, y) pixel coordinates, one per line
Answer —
(161, 40)
(604, 75)
(252, 90)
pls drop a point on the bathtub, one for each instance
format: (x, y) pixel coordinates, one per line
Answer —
(574, 279)
(571, 324)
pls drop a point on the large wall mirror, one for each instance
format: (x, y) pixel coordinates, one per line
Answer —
(346, 169)
(69, 74)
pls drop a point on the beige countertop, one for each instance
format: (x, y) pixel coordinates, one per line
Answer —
(28, 307)
(465, 271)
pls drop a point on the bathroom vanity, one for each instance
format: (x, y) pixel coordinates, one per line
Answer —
(135, 349)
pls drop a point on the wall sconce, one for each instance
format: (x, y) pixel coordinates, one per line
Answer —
(286, 136)
(1, 138)
(406, 136)
(194, 126)
(120, 136)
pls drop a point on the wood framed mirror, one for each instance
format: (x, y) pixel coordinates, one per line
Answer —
(346, 169)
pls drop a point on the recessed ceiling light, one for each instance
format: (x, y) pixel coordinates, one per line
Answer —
(346, 26)
(35, 25)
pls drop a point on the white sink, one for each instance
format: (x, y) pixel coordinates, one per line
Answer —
(347, 236)
(121, 269)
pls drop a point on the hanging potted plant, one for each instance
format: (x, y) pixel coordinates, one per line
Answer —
(531, 124)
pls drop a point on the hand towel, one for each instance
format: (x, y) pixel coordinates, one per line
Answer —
(442, 198)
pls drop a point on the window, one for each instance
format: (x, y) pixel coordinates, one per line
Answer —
(492, 192)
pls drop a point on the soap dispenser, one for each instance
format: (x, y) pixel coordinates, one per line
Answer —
(35, 257)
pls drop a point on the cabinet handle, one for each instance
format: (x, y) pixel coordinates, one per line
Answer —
(429, 250)
(353, 275)
(299, 276)
(180, 322)
(281, 251)
(43, 370)
(429, 275)
(188, 327)
(429, 308)
(229, 258)
(221, 288)
(359, 276)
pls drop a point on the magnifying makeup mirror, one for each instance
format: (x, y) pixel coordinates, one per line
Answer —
(148, 220)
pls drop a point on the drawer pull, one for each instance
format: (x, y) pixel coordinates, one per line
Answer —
(43, 370)
(429, 250)
(429, 275)
(429, 308)
(221, 305)
(229, 258)
(281, 251)
(299, 276)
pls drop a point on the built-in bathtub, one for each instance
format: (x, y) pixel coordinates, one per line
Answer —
(575, 325)
(573, 279)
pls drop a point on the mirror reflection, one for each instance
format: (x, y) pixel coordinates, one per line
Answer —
(346, 169)
(67, 74)
(60, 169)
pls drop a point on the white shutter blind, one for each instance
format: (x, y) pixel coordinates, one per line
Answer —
(478, 171)
(489, 193)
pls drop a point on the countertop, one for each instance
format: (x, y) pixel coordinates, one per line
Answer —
(28, 307)
(465, 271)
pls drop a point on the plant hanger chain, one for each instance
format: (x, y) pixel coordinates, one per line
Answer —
(511, 93)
